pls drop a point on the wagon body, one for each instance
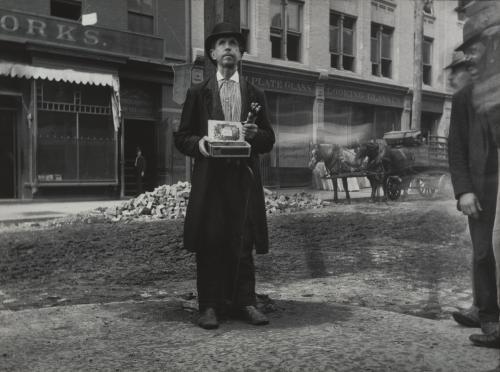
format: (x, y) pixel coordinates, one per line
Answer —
(427, 162)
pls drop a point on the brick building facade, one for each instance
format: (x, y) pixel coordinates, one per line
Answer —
(76, 100)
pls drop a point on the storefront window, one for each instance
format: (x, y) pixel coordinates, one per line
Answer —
(76, 140)
(295, 129)
(57, 146)
(386, 120)
(96, 147)
(349, 124)
(291, 117)
(337, 119)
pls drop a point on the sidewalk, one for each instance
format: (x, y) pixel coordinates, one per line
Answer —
(160, 336)
(27, 211)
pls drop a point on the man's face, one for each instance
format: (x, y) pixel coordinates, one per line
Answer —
(459, 77)
(226, 52)
(475, 59)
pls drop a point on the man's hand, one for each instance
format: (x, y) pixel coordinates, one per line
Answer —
(142, 174)
(469, 204)
(255, 108)
(202, 146)
(250, 130)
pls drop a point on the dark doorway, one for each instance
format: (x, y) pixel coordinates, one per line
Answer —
(140, 133)
(7, 154)
(429, 124)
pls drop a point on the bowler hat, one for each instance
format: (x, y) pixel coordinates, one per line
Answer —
(223, 29)
(457, 59)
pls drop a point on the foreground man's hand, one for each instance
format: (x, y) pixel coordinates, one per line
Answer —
(250, 130)
(202, 146)
(469, 204)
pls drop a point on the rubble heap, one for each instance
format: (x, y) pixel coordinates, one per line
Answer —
(170, 202)
(166, 201)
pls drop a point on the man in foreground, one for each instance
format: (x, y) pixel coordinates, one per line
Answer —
(226, 217)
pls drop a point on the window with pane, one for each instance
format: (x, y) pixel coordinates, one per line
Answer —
(427, 61)
(76, 140)
(141, 16)
(381, 50)
(286, 29)
(69, 9)
(429, 7)
(342, 45)
(245, 22)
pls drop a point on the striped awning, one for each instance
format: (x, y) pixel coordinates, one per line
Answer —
(19, 70)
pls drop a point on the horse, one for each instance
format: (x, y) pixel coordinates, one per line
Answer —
(337, 160)
(386, 162)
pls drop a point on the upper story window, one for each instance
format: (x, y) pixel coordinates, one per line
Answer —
(429, 7)
(427, 61)
(69, 9)
(141, 16)
(286, 29)
(342, 43)
(245, 22)
(381, 50)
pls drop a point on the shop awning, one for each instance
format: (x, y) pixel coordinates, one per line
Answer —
(19, 70)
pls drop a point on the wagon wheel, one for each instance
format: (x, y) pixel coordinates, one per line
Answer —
(425, 188)
(393, 188)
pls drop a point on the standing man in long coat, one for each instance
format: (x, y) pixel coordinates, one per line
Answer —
(226, 216)
(474, 174)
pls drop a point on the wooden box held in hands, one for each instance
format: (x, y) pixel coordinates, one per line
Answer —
(225, 140)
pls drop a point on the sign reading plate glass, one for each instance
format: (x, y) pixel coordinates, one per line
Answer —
(225, 140)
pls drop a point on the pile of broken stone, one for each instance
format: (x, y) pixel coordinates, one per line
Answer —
(170, 202)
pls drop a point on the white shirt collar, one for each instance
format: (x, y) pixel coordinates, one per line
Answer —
(235, 77)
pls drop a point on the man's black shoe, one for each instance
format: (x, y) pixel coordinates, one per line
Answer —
(488, 340)
(208, 319)
(254, 316)
(468, 318)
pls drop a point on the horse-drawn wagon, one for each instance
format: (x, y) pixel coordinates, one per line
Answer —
(414, 160)
(400, 159)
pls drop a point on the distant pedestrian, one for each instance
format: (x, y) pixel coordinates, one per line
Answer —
(226, 216)
(140, 170)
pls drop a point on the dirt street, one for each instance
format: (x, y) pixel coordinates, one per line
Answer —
(409, 257)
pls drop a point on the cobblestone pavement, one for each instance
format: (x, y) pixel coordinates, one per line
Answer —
(355, 287)
(303, 336)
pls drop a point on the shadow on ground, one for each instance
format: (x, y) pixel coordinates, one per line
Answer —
(286, 314)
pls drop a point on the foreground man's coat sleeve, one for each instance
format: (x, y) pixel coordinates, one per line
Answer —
(189, 133)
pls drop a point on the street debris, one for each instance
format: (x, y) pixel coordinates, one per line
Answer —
(170, 202)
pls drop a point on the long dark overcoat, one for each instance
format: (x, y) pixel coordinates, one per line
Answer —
(471, 150)
(203, 103)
